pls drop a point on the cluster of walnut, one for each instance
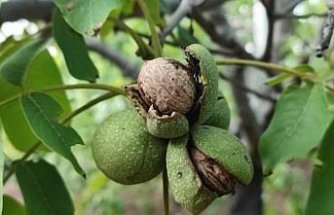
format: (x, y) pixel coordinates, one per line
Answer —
(178, 121)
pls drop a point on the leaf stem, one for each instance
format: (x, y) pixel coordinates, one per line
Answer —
(64, 121)
(87, 106)
(155, 37)
(146, 51)
(165, 192)
(259, 64)
(22, 159)
(115, 90)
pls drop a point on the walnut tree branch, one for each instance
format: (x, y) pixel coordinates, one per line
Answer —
(26, 9)
(129, 69)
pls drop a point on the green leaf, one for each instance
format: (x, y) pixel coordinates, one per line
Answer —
(299, 123)
(278, 79)
(321, 198)
(14, 123)
(86, 16)
(74, 49)
(42, 112)
(43, 189)
(41, 73)
(12, 207)
(14, 67)
(10, 45)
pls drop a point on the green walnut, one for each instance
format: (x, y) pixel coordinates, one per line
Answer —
(173, 96)
(220, 116)
(205, 166)
(125, 152)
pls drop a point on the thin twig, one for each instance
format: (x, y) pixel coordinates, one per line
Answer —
(128, 68)
(247, 89)
(305, 16)
(270, 10)
(220, 51)
(68, 87)
(87, 106)
(155, 36)
(260, 64)
(146, 51)
(16, 163)
(182, 10)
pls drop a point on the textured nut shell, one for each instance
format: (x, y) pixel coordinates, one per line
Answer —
(227, 150)
(125, 152)
(166, 126)
(220, 116)
(167, 84)
(187, 188)
(208, 76)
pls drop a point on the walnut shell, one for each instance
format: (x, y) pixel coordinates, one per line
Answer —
(168, 85)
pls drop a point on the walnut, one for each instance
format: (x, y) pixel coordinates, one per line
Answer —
(168, 85)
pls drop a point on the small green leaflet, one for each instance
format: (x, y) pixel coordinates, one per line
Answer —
(300, 121)
(43, 189)
(74, 49)
(303, 68)
(42, 111)
(86, 16)
(321, 197)
(185, 37)
(13, 68)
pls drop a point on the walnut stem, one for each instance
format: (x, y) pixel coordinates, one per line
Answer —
(165, 191)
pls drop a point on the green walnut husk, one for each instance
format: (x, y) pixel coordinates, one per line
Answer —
(204, 66)
(206, 165)
(220, 116)
(173, 126)
(125, 152)
(187, 187)
(227, 150)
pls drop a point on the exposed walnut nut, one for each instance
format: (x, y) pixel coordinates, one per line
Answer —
(168, 85)
(214, 176)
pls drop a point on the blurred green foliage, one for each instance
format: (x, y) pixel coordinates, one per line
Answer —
(285, 191)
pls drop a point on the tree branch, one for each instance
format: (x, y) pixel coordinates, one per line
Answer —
(247, 200)
(241, 86)
(270, 10)
(26, 9)
(224, 37)
(306, 16)
(128, 68)
(326, 34)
